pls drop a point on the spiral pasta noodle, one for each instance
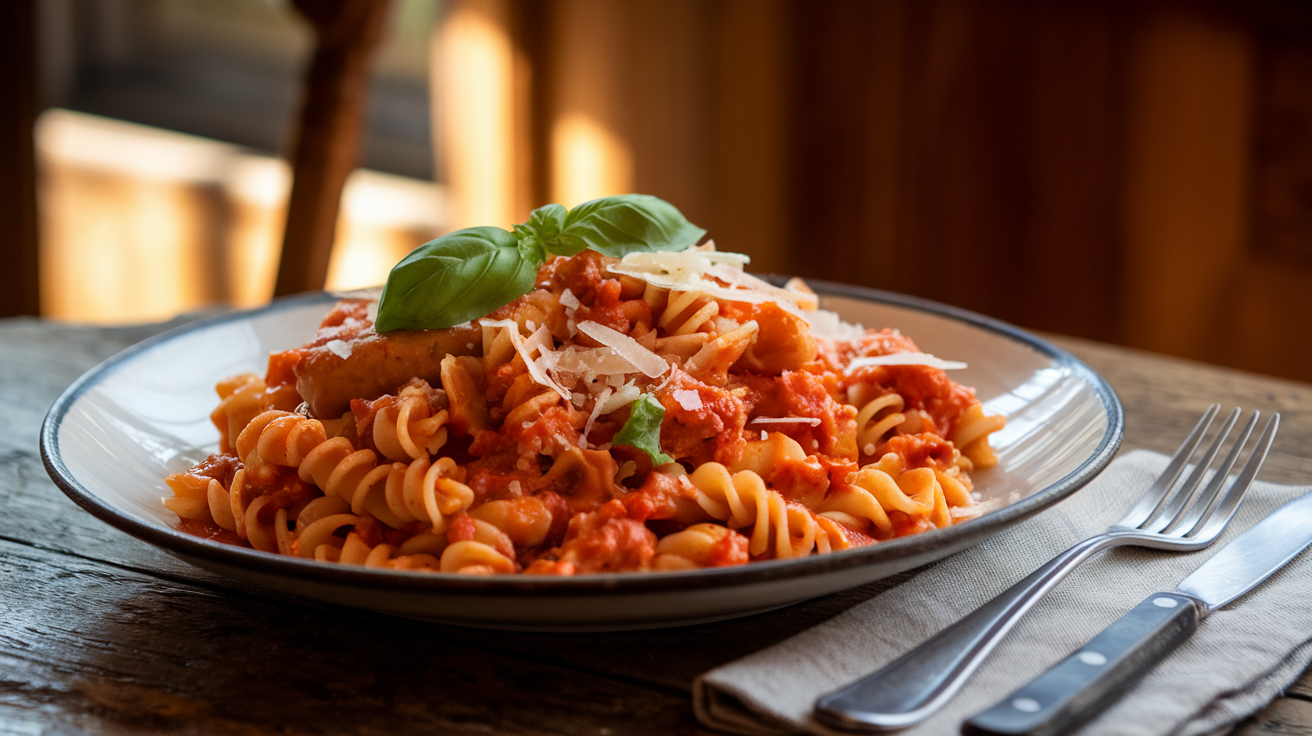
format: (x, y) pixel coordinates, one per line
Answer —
(475, 558)
(240, 400)
(881, 488)
(355, 551)
(692, 548)
(201, 498)
(876, 419)
(740, 500)
(971, 436)
(394, 493)
(686, 312)
(410, 429)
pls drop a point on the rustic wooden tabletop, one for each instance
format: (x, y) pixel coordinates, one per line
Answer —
(100, 632)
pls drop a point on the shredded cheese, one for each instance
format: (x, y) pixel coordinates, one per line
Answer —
(340, 348)
(596, 412)
(610, 400)
(786, 420)
(539, 341)
(746, 281)
(571, 363)
(623, 396)
(828, 325)
(689, 399)
(693, 270)
(905, 359)
(642, 359)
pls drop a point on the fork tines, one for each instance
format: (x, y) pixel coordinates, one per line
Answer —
(1182, 510)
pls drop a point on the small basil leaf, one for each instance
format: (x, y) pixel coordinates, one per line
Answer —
(628, 223)
(530, 249)
(544, 223)
(458, 277)
(643, 430)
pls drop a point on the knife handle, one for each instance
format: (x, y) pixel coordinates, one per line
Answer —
(1081, 685)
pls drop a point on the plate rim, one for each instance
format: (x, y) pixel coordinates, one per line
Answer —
(957, 536)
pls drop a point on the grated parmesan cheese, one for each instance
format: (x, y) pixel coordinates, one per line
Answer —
(828, 325)
(786, 420)
(340, 348)
(905, 359)
(610, 400)
(540, 341)
(745, 281)
(689, 271)
(642, 359)
(689, 399)
(596, 412)
(623, 396)
(569, 301)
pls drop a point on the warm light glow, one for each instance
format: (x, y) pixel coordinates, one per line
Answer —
(474, 72)
(140, 224)
(383, 217)
(589, 160)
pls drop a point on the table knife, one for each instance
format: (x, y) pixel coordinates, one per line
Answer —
(1081, 685)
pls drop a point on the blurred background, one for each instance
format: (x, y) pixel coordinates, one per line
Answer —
(1136, 172)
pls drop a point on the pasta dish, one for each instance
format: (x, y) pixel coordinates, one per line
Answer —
(663, 410)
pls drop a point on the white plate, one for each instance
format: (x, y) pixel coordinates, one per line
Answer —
(117, 431)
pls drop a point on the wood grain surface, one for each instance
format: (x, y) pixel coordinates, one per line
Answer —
(102, 633)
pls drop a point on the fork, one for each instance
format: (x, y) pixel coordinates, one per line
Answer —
(1182, 519)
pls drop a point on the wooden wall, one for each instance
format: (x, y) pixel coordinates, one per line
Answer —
(19, 248)
(1134, 172)
(1138, 172)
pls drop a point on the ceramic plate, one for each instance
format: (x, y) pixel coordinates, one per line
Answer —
(117, 431)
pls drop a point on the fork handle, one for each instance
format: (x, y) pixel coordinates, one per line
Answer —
(917, 684)
(1080, 686)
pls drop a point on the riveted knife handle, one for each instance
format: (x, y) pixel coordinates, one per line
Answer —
(1080, 686)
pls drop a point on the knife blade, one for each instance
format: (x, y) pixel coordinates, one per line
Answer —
(1080, 686)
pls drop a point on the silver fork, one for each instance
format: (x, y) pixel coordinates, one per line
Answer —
(921, 681)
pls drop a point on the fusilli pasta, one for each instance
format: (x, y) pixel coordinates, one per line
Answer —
(660, 413)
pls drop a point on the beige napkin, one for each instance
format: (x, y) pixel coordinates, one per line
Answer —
(1239, 660)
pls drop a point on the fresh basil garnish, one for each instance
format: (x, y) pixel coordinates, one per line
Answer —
(628, 223)
(458, 277)
(543, 227)
(643, 430)
(470, 273)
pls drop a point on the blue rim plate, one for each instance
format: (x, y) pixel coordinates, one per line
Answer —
(114, 434)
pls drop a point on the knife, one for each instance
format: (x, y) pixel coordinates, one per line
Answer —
(1081, 685)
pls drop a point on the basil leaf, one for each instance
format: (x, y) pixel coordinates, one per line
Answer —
(458, 277)
(643, 430)
(544, 225)
(616, 226)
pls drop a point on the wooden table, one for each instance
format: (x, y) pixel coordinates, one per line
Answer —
(100, 632)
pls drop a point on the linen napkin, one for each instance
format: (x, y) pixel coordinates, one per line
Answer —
(1240, 659)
